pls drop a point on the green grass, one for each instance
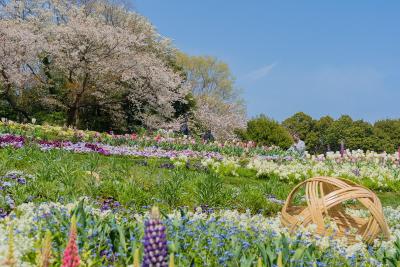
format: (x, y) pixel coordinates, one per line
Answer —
(66, 176)
(389, 198)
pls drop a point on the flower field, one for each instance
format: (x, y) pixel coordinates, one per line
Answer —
(162, 139)
(219, 202)
(223, 238)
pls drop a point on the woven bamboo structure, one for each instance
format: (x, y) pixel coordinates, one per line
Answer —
(324, 197)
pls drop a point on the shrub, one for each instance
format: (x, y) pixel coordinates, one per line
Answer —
(266, 131)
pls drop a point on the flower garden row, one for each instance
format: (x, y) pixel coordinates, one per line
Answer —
(163, 139)
(378, 171)
(36, 235)
(104, 149)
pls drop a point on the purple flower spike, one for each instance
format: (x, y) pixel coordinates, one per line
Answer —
(155, 241)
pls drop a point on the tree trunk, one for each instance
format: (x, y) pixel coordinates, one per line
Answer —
(72, 114)
(15, 107)
(73, 111)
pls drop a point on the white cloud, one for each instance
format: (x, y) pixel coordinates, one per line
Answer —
(260, 73)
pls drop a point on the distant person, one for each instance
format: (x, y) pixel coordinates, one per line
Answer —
(185, 127)
(208, 137)
(299, 146)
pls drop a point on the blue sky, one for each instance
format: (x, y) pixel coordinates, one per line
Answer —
(320, 57)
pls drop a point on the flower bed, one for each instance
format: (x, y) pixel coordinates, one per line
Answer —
(163, 139)
(225, 238)
(377, 171)
(104, 149)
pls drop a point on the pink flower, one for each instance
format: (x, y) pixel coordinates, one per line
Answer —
(71, 253)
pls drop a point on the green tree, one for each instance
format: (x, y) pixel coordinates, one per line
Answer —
(355, 134)
(335, 133)
(388, 132)
(320, 128)
(209, 76)
(300, 123)
(266, 131)
(303, 125)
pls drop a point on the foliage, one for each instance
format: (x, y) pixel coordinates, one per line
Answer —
(326, 133)
(387, 132)
(300, 123)
(268, 132)
(219, 106)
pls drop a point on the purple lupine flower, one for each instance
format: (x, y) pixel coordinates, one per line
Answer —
(155, 241)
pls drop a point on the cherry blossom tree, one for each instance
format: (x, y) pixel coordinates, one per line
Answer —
(19, 51)
(91, 54)
(219, 117)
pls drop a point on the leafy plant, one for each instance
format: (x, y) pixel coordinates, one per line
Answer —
(209, 191)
